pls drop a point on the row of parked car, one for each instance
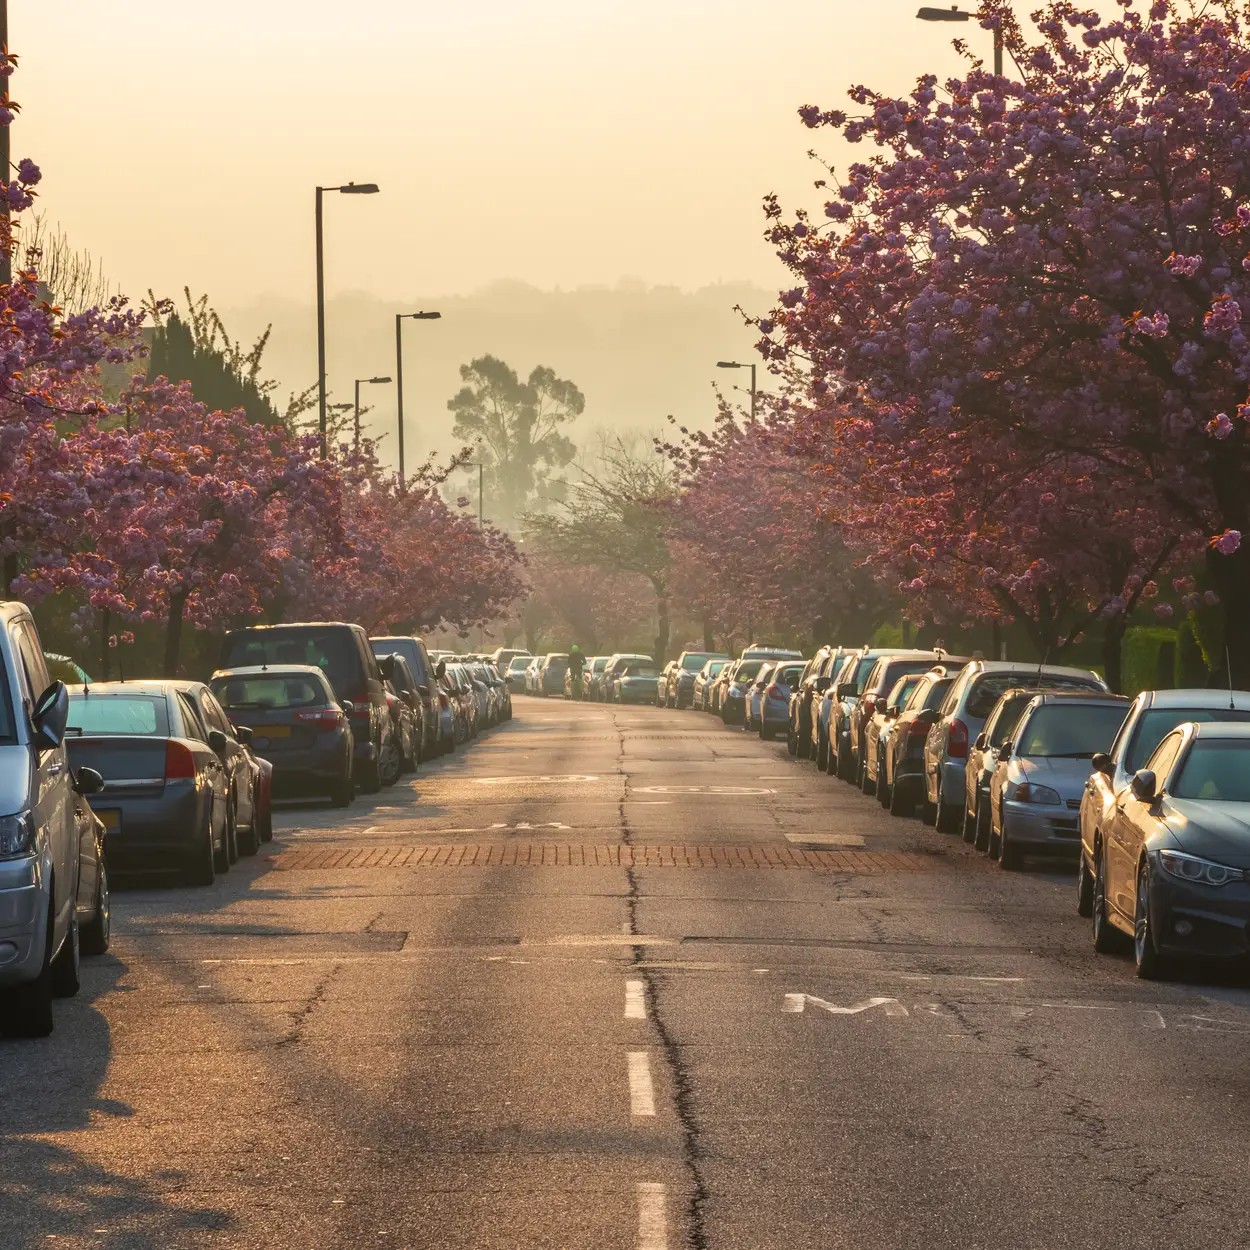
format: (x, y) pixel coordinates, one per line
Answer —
(178, 777)
(1148, 797)
(624, 677)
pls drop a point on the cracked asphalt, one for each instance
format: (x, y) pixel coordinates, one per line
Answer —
(440, 1050)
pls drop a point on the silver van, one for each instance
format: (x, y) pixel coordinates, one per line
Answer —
(39, 835)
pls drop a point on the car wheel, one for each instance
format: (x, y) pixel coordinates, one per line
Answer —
(822, 755)
(341, 792)
(867, 784)
(203, 866)
(94, 939)
(389, 764)
(1106, 936)
(1150, 964)
(792, 741)
(970, 826)
(1084, 888)
(928, 812)
(982, 842)
(883, 789)
(221, 858)
(66, 967)
(249, 839)
(1010, 857)
(370, 777)
(900, 804)
(26, 1009)
(947, 819)
(232, 834)
(803, 745)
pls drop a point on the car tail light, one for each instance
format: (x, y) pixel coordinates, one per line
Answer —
(773, 691)
(442, 699)
(322, 718)
(957, 741)
(918, 729)
(179, 761)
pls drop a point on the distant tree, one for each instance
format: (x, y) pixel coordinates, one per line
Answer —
(616, 520)
(517, 426)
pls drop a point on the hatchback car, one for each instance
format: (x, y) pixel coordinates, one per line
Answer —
(755, 695)
(774, 707)
(637, 682)
(982, 758)
(887, 708)
(40, 835)
(515, 673)
(703, 681)
(1035, 790)
(679, 692)
(596, 666)
(297, 724)
(734, 683)
(968, 702)
(662, 686)
(1173, 867)
(814, 682)
(344, 653)
(423, 667)
(904, 752)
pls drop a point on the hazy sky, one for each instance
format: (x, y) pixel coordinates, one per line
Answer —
(561, 142)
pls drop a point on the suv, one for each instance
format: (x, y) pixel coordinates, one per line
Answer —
(963, 714)
(40, 839)
(551, 673)
(679, 690)
(344, 654)
(425, 673)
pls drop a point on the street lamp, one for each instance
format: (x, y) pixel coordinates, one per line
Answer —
(352, 188)
(358, 382)
(734, 364)
(399, 374)
(955, 14)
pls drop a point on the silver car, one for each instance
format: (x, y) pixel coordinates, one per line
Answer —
(962, 716)
(40, 836)
(1035, 792)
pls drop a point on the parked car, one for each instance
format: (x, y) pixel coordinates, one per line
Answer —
(1035, 790)
(464, 702)
(703, 682)
(413, 736)
(424, 670)
(762, 651)
(773, 714)
(532, 671)
(1153, 715)
(754, 696)
(166, 799)
(637, 682)
(661, 687)
(823, 711)
(720, 683)
(679, 689)
(813, 682)
(1173, 866)
(592, 677)
(346, 656)
(515, 673)
(736, 680)
(41, 839)
(982, 758)
(904, 750)
(963, 714)
(887, 708)
(240, 764)
(297, 723)
(552, 669)
(616, 665)
(502, 657)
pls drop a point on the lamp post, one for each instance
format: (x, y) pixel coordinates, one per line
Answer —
(734, 364)
(356, 444)
(399, 375)
(955, 14)
(352, 188)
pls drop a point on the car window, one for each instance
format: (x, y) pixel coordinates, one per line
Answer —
(748, 670)
(334, 650)
(876, 676)
(990, 687)
(32, 652)
(860, 673)
(101, 715)
(902, 689)
(1069, 731)
(1006, 717)
(954, 694)
(1164, 756)
(791, 675)
(212, 713)
(1216, 771)
(940, 694)
(273, 691)
(920, 692)
(1153, 725)
(897, 669)
(192, 720)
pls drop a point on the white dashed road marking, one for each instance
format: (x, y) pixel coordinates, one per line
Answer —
(641, 1093)
(652, 1221)
(635, 1000)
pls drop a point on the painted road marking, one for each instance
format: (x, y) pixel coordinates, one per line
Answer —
(545, 779)
(825, 839)
(652, 1221)
(797, 1002)
(641, 1093)
(635, 1000)
(704, 790)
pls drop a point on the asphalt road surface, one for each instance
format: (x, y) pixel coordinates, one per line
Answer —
(623, 978)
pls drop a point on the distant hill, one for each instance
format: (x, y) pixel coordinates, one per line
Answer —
(638, 353)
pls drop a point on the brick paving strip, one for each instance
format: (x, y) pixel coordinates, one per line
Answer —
(600, 855)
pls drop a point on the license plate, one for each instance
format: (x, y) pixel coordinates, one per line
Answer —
(111, 819)
(274, 731)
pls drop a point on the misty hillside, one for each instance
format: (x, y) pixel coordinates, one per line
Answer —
(638, 353)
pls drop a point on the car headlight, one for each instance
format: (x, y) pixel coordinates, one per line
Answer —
(1202, 871)
(1027, 792)
(17, 835)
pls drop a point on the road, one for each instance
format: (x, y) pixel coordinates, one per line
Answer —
(623, 978)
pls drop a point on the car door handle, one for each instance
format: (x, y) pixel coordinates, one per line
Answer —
(55, 770)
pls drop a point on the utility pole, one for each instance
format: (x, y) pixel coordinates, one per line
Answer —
(399, 378)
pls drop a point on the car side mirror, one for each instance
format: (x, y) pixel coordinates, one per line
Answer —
(1103, 763)
(423, 691)
(1004, 751)
(50, 716)
(441, 670)
(894, 711)
(880, 705)
(821, 684)
(244, 734)
(386, 663)
(1145, 785)
(88, 781)
(848, 690)
(982, 742)
(217, 740)
(348, 707)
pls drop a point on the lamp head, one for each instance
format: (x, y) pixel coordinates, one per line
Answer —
(729, 364)
(360, 188)
(953, 14)
(377, 379)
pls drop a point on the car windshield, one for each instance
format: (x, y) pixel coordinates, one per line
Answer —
(274, 691)
(1070, 731)
(932, 699)
(858, 674)
(789, 675)
(992, 686)
(407, 647)
(715, 667)
(748, 670)
(1008, 718)
(1216, 771)
(1156, 724)
(692, 663)
(642, 670)
(102, 715)
(519, 665)
(331, 650)
(902, 689)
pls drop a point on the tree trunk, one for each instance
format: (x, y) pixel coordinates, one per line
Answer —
(106, 618)
(1113, 652)
(173, 633)
(661, 637)
(996, 639)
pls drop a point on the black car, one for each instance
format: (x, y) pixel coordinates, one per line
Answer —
(297, 724)
(345, 656)
(425, 673)
(904, 756)
(410, 718)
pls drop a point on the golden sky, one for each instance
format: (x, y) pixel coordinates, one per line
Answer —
(560, 142)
